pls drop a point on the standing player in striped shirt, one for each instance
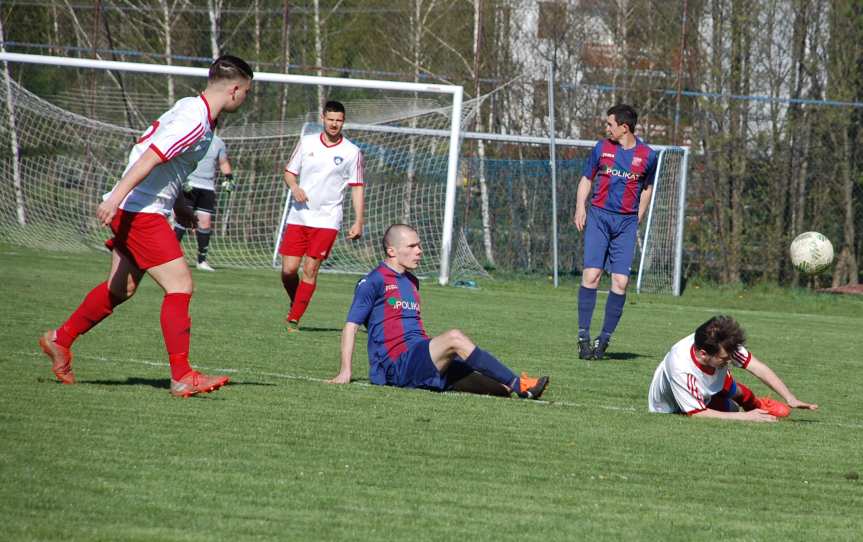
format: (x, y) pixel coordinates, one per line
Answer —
(695, 378)
(387, 302)
(623, 168)
(321, 167)
(137, 212)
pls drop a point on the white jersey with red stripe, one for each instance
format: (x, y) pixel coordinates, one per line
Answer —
(682, 384)
(180, 137)
(324, 171)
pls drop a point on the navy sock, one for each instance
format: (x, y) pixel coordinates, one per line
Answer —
(482, 362)
(613, 312)
(586, 304)
(179, 231)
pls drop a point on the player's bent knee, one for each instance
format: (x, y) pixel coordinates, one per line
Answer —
(457, 340)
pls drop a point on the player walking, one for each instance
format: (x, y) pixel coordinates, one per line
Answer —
(325, 165)
(136, 211)
(200, 191)
(695, 378)
(623, 167)
(387, 302)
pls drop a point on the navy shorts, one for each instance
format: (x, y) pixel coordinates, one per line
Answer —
(609, 240)
(415, 369)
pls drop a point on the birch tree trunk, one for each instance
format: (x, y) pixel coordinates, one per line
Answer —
(480, 147)
(166, 32)
(214, 8)
(319, 51)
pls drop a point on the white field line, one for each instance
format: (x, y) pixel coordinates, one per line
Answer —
(255, 372)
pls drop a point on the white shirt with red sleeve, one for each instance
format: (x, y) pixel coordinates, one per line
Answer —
(180, 137)
(681, 384)
(324, 171)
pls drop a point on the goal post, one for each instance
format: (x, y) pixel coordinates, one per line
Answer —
(454, 92)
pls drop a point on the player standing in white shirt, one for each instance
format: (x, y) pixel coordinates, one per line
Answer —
(137, 212)
(695, 378)
(321, 167)
(200, 189)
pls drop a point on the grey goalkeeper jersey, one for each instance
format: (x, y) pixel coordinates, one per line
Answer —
(208, 168)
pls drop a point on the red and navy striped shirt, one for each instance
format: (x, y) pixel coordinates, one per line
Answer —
(620, 174)
(388, 304)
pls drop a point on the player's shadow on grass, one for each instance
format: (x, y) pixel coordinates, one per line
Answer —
(319, 329)
(619, 356)
(161, 383)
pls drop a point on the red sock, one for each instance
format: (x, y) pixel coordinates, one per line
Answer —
(746, 399)
(176, 329)
(301, 301)
(97, 305)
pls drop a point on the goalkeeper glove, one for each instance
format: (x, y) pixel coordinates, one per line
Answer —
(229, 184)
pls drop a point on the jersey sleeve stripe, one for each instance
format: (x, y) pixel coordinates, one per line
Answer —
(185, 141)
(742, 358)
(157, 151)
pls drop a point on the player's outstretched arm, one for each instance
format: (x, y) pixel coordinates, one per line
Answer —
(137, 173)
(755, 415)
(771, 379)
(580, 216)
(358, 201)
(349, 334)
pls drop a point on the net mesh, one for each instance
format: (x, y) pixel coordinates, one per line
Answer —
(73, 148)
(519, 193)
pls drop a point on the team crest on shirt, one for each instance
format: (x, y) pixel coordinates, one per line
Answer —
(338, 160)
(636, 161)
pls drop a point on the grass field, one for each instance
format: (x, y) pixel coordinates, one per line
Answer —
(281, 455)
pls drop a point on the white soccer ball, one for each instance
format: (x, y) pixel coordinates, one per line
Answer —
(811, 253)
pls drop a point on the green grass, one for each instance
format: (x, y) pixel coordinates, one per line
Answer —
(281, 455)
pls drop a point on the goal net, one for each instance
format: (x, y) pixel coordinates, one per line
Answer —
(72, 147)
(516, 170)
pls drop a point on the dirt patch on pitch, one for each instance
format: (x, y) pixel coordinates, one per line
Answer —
(847, 289)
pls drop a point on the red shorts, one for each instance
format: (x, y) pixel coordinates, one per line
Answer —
(145, 238)
(307, 241)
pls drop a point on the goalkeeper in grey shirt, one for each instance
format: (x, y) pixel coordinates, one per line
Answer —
(200, 194)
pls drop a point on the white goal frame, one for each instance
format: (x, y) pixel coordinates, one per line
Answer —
(456, 91)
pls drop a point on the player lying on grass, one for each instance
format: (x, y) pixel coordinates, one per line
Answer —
(136, 210)
(387, 302)
(695, 378)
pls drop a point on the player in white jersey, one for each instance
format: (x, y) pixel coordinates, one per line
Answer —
(200, 194)
(321, 167)
(136, 211)
(695, 378)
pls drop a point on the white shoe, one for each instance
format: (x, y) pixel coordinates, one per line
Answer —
(204, 266)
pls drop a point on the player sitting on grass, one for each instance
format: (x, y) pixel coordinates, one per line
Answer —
(136, 210)
(387, 302)
(695, 378)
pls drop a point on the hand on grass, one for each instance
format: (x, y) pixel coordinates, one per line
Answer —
(758, 415)
(796, 403)
(341, 378)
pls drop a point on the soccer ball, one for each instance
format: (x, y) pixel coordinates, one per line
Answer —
(811, 253)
